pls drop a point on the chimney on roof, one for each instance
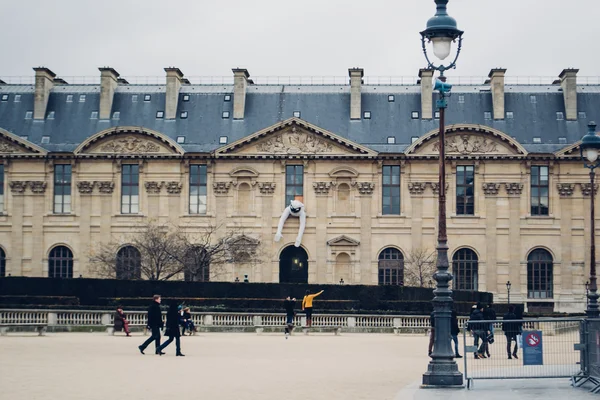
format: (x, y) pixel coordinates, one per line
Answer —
(426, 75)
(44, 81)
(568, 83)
(496, 76)
(356, 75)
(108, 83)
(240, 82)
(174, 77)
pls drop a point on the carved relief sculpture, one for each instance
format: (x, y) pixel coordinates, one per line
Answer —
(221, 187)
(416, 188)
(435, 186)
(295, 209)
(130, 145)
(467, 144)
(6, 147)
(565, 189)
(37, 187)
(514, 188)
(85, 187)
(294, 142)
(586, 188)
(322, 188)
(490, 188)
(266, 187)
(105, 187)
(364, 187)
(18, 186)
(153, 186)
(173, 187)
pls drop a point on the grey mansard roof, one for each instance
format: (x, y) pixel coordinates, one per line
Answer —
(325, 106)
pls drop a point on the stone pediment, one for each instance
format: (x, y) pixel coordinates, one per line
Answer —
(468, 141)
(343, 241)
(13, 145)
(294, 137)
(129, 141)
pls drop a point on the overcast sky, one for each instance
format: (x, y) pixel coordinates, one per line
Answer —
(298, 38)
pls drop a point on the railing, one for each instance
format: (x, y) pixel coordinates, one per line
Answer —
(308, 80)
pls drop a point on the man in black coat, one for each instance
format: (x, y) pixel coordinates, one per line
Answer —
(480, 330)
(289, 304)
(489, 314)
(155, 323)
(511, 330)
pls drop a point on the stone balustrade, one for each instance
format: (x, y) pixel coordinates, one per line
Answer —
(77, 318)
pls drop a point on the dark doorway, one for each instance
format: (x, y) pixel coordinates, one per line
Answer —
(293, 265)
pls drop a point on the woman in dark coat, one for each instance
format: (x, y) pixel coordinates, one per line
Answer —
(121, 322)
(172, 331)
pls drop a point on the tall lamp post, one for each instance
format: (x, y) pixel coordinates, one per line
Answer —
(442, 370)
(590, 148)
(587, 292)
(508, 285)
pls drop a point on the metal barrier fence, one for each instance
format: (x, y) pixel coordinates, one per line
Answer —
(544, 348)
(590, 371)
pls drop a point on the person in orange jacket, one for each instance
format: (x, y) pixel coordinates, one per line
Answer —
(307, 305)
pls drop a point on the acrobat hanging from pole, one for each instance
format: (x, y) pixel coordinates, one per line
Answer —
(295, 209)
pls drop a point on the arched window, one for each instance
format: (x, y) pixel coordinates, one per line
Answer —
(343, 200)
(2, 262)
(244, 200)
(129, 263)
(391, 267)
(465, 268)
(342, 268)
(540, 282)
(60, 263)
(197, 265)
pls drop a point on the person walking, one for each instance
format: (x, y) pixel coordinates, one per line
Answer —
(155, 323)
(307, 305)
(289, 304)
(431, 332)
(172, 331)
(454, 331)
(120, 322)
(511, 330)
(480, 330)
(187, 322)
(489, 314)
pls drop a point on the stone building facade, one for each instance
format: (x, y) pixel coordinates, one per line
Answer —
(82, 164)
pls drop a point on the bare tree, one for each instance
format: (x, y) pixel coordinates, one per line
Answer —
(419, 267)
(156, 251)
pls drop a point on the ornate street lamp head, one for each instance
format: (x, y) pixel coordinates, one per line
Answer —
(441, 31)
(508, 285)
(590, 147)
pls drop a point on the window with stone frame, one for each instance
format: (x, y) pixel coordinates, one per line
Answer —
(294, 183)
(2, 263)
(198, 193)
(60, 263)
(1, 188)
(540, 278)
(391, 267)
(540, 189)
(390, 198)
(465, 190)
(130, 189)
(62, 188)
(196, 265)
(465, 268)
(129, 263)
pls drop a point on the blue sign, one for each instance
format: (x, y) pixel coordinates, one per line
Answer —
(533, 348)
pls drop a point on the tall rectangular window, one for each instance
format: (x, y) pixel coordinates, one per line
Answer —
(465, 190)
(1, 188)
(539, 190)
(62, 189)
(130, 189)
(294, 183)
(197, 189)
(391, 190)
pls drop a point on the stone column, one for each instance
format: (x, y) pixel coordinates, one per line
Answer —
(491, 274)
(18, 209)
(365, 192)
(85, 234)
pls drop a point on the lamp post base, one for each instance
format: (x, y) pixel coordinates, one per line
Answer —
(442, 374)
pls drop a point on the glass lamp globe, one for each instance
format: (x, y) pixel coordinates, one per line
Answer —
(441, 47)
(591, 155)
